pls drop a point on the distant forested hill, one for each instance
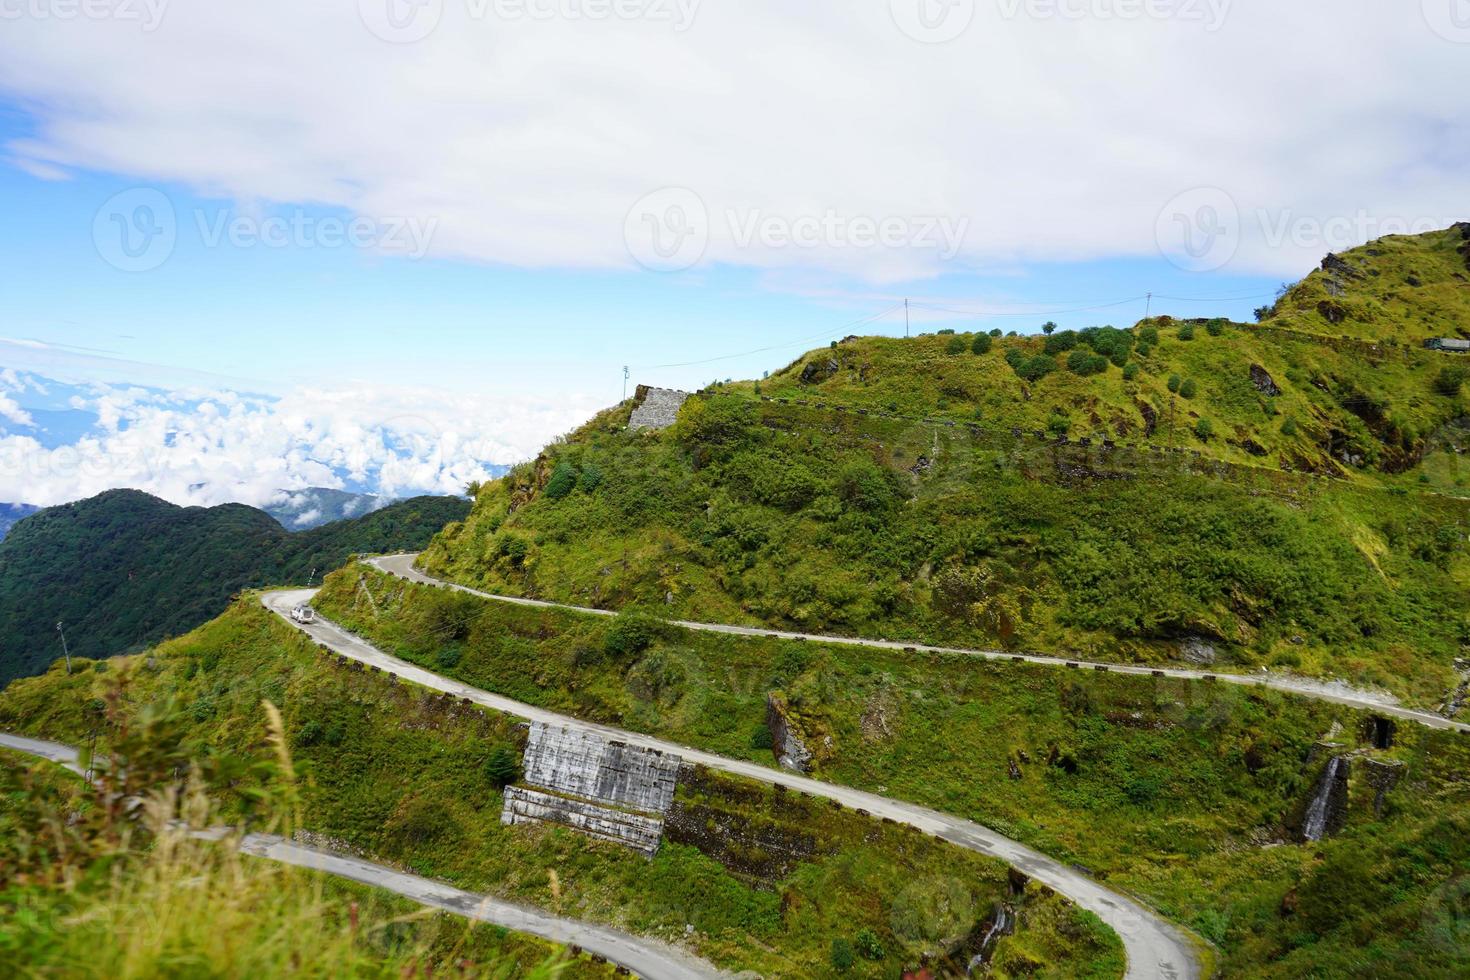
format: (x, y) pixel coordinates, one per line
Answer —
(123, 570)
(11, 514)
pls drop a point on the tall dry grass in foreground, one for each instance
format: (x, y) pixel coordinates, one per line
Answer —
(94, 887)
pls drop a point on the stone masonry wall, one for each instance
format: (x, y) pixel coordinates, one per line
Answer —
(658, 408)
(594, 784)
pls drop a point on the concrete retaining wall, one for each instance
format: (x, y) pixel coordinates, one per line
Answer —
(629, 829)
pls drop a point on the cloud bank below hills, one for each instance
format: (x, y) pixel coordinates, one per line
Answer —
(213, 446)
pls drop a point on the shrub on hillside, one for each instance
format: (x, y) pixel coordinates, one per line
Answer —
(1188, 389)
(1035, 368)
(1060, 343)
(1186, 332)
(631, 633)
(1149, 335)
(955, 346)
(563, 480)
(503, 767)
(1086, 363)
(842, 955)
(981, 344)
(1450, 381)
(1288, 428)
(1130, 372)
(1174, 382)
(1204, 428)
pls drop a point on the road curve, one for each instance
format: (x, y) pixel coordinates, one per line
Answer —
(403, 567)
(1156, 949)
(646, 958)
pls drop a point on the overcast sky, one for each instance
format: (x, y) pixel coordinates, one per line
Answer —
(513, 199)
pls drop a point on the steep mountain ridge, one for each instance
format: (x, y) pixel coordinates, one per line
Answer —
(1249, 494)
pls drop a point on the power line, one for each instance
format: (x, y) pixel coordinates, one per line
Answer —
(762, 350)
(1032, 313)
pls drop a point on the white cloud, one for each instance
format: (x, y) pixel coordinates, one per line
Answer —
(211, 447)
(1056, 137)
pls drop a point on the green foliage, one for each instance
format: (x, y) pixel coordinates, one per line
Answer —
(1174, 382)
(632, 633)
(956, 346)
(868, 945)
(1149, 335)
(1083, 363)
(590, 479)
(1130, 372)
(1188, 389)
(124, 569)
(1450, 380)
(1035, 368)
(981, 344)
(1049, 327)
(841, 956)
(1186, 332)
(562, 482)
(1060, 343)
(1288, 427)
(1204, 429)
(503, 766)
(1215, 327)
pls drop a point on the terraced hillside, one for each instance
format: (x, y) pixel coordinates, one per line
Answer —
(1245, 495)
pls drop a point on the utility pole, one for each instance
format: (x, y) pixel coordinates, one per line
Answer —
(64, 651)
(625, 382)
(905, 316)
(1150, 307)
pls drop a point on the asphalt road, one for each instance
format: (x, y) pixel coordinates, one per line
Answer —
(646, 958)
(1156, 949)
(403, 567)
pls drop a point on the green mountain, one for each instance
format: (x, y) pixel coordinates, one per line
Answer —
(123, 570)
(1257, 495)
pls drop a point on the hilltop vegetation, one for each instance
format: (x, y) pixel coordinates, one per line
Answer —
(1187, 794)
(940, 488)
(413, 780)
(124, 570)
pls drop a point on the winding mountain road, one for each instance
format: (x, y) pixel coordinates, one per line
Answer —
(1156, 949)
(403, 567)
(645, 957)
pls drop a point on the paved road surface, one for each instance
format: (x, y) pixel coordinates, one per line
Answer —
(1156, 949)
(403, 567)
(647, 958)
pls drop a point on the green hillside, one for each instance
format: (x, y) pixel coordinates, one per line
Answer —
(123, 570)
(1187, 794)
(1291, 502)
(411, 778)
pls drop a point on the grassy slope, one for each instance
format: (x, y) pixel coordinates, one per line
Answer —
(224, 914)
(124, 570)
(1178, 792)
(886, 524)
(405, 779)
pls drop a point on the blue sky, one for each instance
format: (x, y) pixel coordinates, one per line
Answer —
(512, 183)
(274, 317)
